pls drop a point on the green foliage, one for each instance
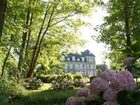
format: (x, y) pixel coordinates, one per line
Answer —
(77, 76)
(101, 67)
(46, 78)
(113, 30)
(36, 32)
(10, 87)
(98, 101)
(39, 32)
(126, 97)
(4, 100)
(92, 77)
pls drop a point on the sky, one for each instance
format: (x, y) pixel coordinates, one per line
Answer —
(98, 49)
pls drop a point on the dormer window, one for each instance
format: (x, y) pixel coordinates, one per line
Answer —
(78, 59)
(73, 58)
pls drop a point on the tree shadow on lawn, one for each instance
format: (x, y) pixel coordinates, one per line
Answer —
(46, 97)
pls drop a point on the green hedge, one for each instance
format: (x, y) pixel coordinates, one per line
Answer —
(46, 78)
(50, 78)
(64, 81)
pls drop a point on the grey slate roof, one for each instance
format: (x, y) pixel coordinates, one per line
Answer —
(78, 56)
(87, 53)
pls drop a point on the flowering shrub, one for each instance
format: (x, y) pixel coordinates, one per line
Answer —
(98, 85)
(108, 84)
(62, 83)
(109, 75)
(68, 81)
(79, 82)
(83, 92)
(110, 95)
(33, 83)
(75, 100)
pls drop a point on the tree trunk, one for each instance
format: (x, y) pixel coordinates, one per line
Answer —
(24, 42)
(28, 36)
(127, 19)
(38, 44)
(40, 40)
(5, 60)
(127, 29)
(3, 7)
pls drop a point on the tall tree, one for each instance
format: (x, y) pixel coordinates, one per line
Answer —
(118, 29)
(3, 7)
(25, 38)
(41, 30)
(55, 9)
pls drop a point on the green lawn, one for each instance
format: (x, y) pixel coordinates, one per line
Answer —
(43, 96)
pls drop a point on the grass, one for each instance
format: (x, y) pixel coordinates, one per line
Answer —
(43, 96)
(50, 97)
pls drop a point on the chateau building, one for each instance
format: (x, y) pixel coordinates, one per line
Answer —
(83, 63)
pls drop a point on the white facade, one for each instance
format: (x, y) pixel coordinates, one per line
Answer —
(83, 63)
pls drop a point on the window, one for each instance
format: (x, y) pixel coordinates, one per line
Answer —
(73, 58)
(88, 66)
(91, 59)
(84, 66)
(83, 59)
(68, 59)
(76, 66)
(70, 66)
(78, 59)
(91, 66)
(81, 66)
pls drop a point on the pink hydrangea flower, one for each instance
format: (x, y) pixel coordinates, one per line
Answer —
(110, 95)
(126, 81)
(75, 100)
(110, 83)
(115, 86)
(83, 92)
(110, 103)
(109, 75)
(98, 85)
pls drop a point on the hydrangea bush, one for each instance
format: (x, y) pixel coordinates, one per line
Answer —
(68, 81)
(33, 83)
(109, 83)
